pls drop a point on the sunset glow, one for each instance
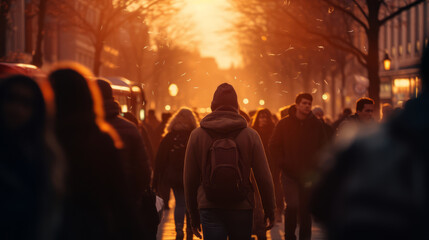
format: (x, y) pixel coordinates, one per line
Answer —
(211, 21)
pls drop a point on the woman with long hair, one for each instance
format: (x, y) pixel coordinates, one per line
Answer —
(263, 123)
(170, 161)
(96, 203)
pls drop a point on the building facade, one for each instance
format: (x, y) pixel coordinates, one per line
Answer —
(403, 40)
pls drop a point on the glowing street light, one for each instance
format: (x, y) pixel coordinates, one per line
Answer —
(245, 101)
(173, 89)
(386, 62)
(325, 96)
(262, 102)
(167, 107)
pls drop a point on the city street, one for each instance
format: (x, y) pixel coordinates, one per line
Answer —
(166, 228)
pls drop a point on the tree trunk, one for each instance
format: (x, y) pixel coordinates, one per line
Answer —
(38, 56)
(373, 63)
(97, 57)
(343, 85)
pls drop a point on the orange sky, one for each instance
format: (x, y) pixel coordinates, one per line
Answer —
(211, 19)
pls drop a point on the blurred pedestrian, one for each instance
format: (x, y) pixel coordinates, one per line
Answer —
(362, 117)
(344, 115)
(295, 142)
(96, 200)
(387, 111)
(170, 161)
(219, 158)
(377, 185)
(264, 125)
(31, 166)
(320, 114)
(135, 162)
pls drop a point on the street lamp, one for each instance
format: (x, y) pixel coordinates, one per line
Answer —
(173, 89)
(386, 62)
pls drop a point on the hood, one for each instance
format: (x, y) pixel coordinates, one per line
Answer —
(111, 109)
(223, 121)
(412, 122)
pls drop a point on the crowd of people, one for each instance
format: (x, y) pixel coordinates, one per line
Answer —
(77, 168)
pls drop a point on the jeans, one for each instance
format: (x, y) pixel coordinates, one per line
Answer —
(179, 214)
(218, 224)
(296, 198)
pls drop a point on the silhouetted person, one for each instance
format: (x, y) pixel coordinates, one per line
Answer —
(387, 111)
(295, 142)
(31, 166)
(220, 198)
(264, 125)
(170, 161)
(377, 187)
(135, 162)
(96, 201)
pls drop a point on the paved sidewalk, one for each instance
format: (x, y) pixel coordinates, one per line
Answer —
(166, 230)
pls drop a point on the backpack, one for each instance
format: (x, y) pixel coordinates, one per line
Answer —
(223, 181)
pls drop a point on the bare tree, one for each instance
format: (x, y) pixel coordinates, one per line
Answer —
(99, 19)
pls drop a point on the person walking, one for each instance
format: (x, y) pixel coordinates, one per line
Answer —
(170, 161)
(135, 163)
(220, 156)
(377, 185)
(264, 125)
(96, 204)
(31, 166)
(295, 142)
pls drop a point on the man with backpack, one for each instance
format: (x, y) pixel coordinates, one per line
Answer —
(220, 156)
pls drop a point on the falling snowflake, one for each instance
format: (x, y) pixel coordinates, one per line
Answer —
(278, 82)
(314, 90)
(183, 74)
(330, 9)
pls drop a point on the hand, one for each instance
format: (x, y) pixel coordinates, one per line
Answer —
(269, 222)
(197, 231)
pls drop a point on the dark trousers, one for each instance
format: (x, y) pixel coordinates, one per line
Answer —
(296, 198)
(218, 224)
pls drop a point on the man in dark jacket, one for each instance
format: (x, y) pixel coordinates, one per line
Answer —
(135, 159)
(378, 187)
(233, 220)
(295, 143)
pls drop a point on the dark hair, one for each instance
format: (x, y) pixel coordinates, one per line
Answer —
(37, 123)
(130, 117)
(258, 114)
(301, 96)
(360, 103)
(424, 68)
(347, 111)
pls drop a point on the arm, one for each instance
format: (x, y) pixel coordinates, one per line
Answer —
(192, 178)
(276, 143)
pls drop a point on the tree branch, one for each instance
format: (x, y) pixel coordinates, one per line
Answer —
(342, 9)
(361, 9)
(400, 10)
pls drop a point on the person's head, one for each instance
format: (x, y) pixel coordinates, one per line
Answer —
(303, 103)
(22, 105)
(105, 89)
(77, 99)
(262, 119)
(424, 70)
(183, 120)
(318, 112)
(365, 108)
(225, 96)
(347, 112)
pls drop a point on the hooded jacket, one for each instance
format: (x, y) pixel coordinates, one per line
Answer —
(295, 144)
(222, 121)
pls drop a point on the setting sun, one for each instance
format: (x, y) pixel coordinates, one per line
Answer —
(211, 21)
